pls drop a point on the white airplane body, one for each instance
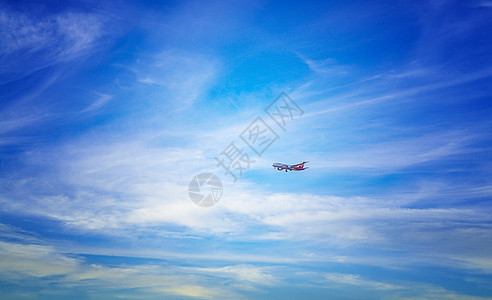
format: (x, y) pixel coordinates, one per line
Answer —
(286, 167)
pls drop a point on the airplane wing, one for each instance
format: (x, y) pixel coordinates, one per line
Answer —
(299, 165)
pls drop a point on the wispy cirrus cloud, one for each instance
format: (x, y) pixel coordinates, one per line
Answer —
(487, 4)
(354, 279)
(31, 41)
(36, 263)
(128, 184)
(100, 101)
(372, 95)
(389, 289)
(397, 140)
(411, 151)
(22, 112)
(181, 77)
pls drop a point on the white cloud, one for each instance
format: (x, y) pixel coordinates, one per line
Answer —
(34, 260)
(354, 279)
(102, 99)
(366, 97)
(398, 154)
(124, 187)
(487, 4)
(31, 42)
(184, 77)
(26, 262)
(396, 290)
(242, 273)
(23, 113)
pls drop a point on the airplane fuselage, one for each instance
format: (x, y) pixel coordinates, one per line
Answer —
(286, 167)
(280, 167)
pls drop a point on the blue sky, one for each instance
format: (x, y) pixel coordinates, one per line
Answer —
(108, 109)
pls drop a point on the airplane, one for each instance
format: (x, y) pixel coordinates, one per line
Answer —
(297, 167)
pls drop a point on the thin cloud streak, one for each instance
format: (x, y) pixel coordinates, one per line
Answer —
(397, 95)
(42, 41)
